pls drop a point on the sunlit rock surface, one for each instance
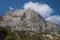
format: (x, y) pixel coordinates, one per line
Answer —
(28, 20)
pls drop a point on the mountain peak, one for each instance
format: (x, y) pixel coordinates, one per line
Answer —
(28, 20)
(24, 20)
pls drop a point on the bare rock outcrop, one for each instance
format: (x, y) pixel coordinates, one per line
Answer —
(29, 20)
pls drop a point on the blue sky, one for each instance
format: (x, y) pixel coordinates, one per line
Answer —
(19, 4)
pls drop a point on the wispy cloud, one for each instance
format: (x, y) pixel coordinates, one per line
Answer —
(42, 8)
(11, 8)
(55, 19)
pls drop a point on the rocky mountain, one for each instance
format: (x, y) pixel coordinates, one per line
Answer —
(28, 20)
(24, 20)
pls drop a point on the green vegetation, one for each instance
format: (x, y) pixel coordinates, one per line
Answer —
(6, 33)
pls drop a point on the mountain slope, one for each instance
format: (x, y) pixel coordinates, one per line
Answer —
(29, 20)
(24, 20)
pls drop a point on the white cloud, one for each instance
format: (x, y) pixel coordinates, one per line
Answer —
(55, 19)
(43, 9)
(11, 8)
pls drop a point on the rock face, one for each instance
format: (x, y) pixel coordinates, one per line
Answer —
(53, 28)
(28, 20)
